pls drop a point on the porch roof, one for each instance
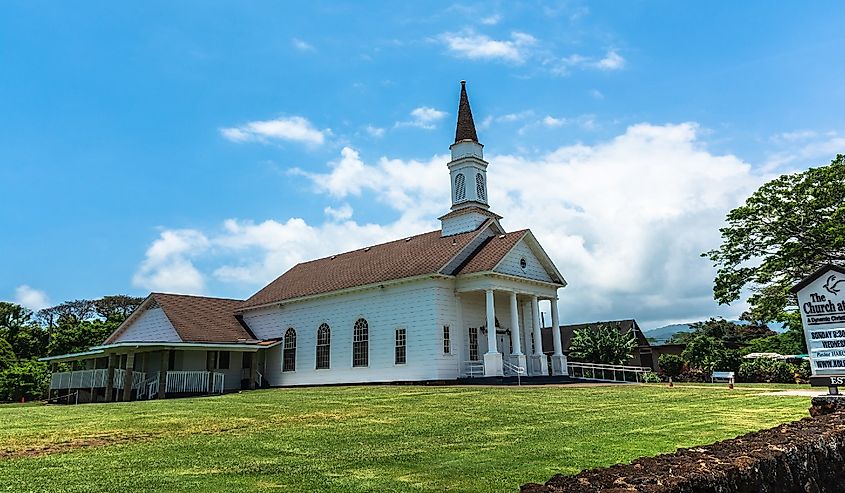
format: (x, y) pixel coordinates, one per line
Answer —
(121, 347)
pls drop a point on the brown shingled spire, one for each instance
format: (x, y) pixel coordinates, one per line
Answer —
(466, 127)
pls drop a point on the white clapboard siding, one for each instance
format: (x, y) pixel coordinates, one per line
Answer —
(533, 269)
(415, 306)
(152, 326)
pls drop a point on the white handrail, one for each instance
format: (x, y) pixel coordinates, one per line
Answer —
(259, 378)
(594, 368)
(519, 370)
(219, 382)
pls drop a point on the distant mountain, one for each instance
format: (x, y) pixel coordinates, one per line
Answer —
(662, 334)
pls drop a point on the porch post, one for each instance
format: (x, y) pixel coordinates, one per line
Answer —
(110, 378)
(209, 367)
(540, 362)
(492, 358)
(516, 336)
(162, 374)
(253, 369)
(127, 377)
(558, 359)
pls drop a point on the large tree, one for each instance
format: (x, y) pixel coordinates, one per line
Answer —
(787, 229)
(604, 344)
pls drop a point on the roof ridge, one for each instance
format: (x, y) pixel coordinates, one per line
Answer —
(370, 246)
(158, 293)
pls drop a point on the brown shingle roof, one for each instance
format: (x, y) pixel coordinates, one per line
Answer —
(465, 129)
(199, 318)
(491, 252)
(423, 254)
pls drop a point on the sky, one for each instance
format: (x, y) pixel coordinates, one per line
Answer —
(206, 147)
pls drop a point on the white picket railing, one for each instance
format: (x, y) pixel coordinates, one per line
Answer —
(92, 379)
(194, 382)
(606, 373)
(473, 369)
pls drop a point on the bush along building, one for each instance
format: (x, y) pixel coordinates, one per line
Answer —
(461, 301)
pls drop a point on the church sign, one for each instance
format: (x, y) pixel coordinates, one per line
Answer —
(821, 301)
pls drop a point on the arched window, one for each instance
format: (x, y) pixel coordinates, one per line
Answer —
(289, 354)
(324, 341)
(460, 187)
(361, 343)
(479, 187)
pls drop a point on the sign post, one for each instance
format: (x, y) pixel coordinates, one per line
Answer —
(821, 301)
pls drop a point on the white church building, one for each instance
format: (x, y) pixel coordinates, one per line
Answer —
(462, 301)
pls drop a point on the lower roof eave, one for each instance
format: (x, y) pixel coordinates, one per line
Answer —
(123, 347)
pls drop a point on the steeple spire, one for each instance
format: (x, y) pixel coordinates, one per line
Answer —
(466, 127)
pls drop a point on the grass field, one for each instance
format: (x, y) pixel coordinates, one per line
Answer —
(376, 438)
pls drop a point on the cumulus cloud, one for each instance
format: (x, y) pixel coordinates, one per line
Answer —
(625, 220)
(475, 46)
(168, 264)
(423, 117)
(804, 148)
(31, 298)
(292, 129)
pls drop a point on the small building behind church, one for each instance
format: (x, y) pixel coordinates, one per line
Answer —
(461, 301)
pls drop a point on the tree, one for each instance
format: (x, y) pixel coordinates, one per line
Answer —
(21, 332)
(28, 379)
(117, 308)
(604, 344)
(671, 364)
(787, 229)
(710, 354)
(70, 337)
(7, 355)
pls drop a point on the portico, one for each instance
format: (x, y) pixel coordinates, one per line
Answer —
(513, 308)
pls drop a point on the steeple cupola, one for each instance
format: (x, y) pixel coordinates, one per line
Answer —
(468, 173)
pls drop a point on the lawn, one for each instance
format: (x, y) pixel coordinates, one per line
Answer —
(369, 438)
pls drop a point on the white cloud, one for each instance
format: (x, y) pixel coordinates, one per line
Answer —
(342, 213)
(596, 94)
(373, 131)
(804, 148)
(302, 45)
(31, 298)
(625, 219)
(491, 20)
(423, 117)
(612, 60)
(294, 129)
(168, 264)
(469, 44)
(551, 121)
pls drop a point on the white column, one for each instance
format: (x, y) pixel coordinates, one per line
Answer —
(558, 359)
(517, 358)
(540, 363)
(492, 358)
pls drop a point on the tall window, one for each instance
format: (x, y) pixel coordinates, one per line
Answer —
(401, 339)
(324, 340)
(473, 344)
(221, 360)
(460, 187)
(447, 340)
(361, 343)
(289, 356)
(479, 186)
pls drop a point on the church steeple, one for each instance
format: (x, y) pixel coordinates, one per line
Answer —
(466, 127)
(468, 173)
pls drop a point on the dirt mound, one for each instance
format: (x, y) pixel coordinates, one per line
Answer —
(806, 456)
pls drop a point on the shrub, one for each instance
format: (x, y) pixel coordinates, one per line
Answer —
(671, 365)
(767, 370)
(604, 344)
(650, 377)
(28, 379)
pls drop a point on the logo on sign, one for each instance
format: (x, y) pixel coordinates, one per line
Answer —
(832, 283)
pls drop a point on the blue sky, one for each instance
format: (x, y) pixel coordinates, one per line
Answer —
(205, 147)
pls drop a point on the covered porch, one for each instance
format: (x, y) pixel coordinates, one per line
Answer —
(514, 345)
(126, 372)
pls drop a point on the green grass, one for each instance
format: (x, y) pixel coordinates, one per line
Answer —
(377, 438)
